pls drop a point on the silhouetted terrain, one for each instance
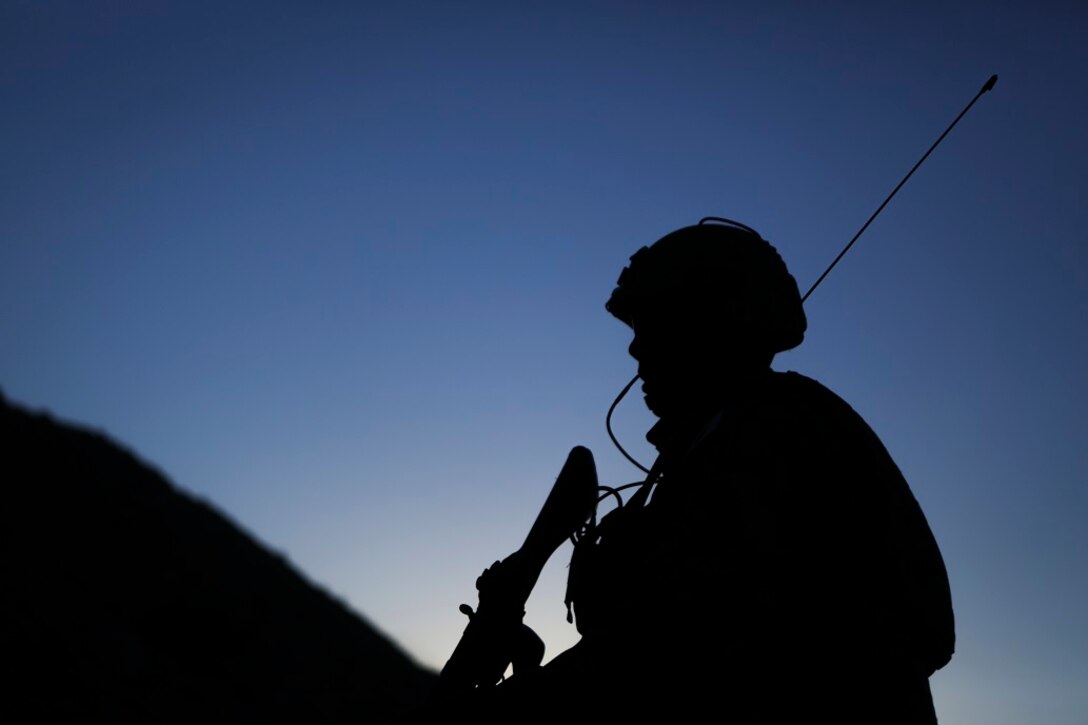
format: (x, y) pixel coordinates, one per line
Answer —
(126, 600)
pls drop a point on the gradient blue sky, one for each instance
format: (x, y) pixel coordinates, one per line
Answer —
(339, 268)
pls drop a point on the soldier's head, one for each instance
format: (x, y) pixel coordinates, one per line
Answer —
(706, 303)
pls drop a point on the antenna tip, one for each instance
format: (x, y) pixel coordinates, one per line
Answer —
(990, 83)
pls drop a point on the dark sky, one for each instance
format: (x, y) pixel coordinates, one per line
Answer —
(340, 269)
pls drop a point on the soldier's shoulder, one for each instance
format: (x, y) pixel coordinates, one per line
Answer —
(794, 382)
(792, 389)
(798, 400)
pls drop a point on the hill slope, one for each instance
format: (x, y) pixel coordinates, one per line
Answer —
(125, 599)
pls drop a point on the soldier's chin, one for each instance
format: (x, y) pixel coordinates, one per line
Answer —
(654, 403)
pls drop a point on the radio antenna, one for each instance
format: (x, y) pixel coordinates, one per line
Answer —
(986, 87)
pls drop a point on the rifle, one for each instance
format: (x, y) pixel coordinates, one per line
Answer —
(495, 636)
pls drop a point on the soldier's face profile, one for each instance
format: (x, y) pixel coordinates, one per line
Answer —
(677, 360)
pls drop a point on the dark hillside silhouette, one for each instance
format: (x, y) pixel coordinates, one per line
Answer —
(126, 600)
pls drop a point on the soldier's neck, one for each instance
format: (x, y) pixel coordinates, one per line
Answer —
(686, 419)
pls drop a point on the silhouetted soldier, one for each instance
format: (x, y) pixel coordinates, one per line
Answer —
(775, 567)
